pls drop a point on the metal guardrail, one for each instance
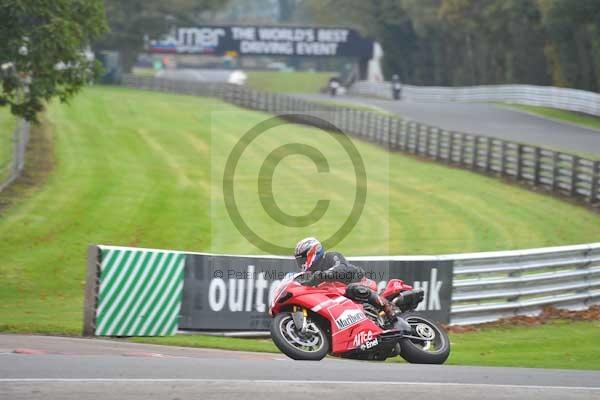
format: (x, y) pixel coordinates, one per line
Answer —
(556, 171)
(543, 96)
(490, 286)
(17, 163)
(485, 286)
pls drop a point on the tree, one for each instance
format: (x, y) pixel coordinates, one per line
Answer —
(573, 47)
(286, 10)
(42, 50)
(131, 21)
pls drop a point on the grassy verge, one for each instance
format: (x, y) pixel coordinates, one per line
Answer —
(588, 121)
(293, 82)
(559, 344)
(138, 168)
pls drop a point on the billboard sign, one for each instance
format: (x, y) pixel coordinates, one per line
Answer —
(234, 292)
(265, 40)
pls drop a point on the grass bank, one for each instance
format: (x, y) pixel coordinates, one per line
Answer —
(144, 169)
(291, 82)
(588, 121)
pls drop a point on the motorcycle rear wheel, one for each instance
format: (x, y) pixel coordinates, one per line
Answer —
(313, 344)
(433, 349)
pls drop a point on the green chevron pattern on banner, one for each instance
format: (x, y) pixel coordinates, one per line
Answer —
(140, 292)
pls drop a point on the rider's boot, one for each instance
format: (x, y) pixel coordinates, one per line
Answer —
(387, 308)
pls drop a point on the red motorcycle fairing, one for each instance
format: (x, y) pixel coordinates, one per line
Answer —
(350, 327)
(310, 322)
(394, 287)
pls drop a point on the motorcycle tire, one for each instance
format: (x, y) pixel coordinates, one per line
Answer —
(294, 352)
(414, 353)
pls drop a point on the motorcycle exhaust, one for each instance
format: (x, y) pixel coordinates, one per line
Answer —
(409, 300)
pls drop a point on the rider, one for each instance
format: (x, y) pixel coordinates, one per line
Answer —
(332, 266)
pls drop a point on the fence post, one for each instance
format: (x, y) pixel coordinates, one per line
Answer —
(404, 129)
(474, 152)
(503, 158)
(420, 139)
(393, 133)
(519, 161)
(595, 178)
(375, 127)
(426, 134)
(92, 281)
(412, 135)
(438, 144)
(537, 165)
(379, 138)
(387, 136)
(451, 141)
(555, 171)
(488, 155)
(461, 149)
(574, 174)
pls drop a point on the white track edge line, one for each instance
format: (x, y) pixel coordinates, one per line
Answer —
(269, 381)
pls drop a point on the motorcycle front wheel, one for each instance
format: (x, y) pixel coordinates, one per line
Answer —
(428, 344)
(312, 344)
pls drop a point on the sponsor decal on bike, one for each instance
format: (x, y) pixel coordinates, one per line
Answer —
(370, 344)
(362, 337)
(327, 303)
(365, 340)
(349, 318)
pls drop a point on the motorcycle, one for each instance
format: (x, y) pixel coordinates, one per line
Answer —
(310, 322)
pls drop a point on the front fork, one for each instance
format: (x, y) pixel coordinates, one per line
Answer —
(299, 315)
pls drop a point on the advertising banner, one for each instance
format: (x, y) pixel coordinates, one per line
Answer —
(265, 40)
(234, 292)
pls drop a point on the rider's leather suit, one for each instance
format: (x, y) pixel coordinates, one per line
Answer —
(334, 267)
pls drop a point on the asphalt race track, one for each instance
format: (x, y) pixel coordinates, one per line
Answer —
(476, 118)
(39, 367)
(487, 120)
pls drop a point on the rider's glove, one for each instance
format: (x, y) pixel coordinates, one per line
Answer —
(314, 279)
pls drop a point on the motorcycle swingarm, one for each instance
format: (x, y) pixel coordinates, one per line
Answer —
(391, 337)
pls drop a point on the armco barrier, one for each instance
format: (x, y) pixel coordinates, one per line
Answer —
(559, 172)
(543, 96)
(143, 292)
(489, 286)
(142, 287)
